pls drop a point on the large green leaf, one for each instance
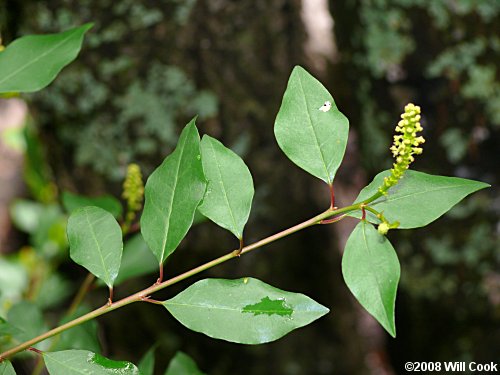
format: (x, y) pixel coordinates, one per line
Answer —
(172, 194)
(182, 364)
(229, 194)
(26, 321)
(32, 62)
(371, 271)
(72, 202)
(95, 241)
(82, 336)
(419, 198)
(313, 139)
(6, 368)
(245, 311)
(83, 362)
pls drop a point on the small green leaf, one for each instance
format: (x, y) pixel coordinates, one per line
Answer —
(182, 364)
(371, 270)
(229, 194)
(6, 368)
(72, 202)
(83, 362)
(32, 62)
(245, 311)
(418, 199)
(172, 194)
(312, 138)
(95, 240)
(147, 363)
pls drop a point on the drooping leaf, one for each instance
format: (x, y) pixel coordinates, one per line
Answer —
(6, 368)
(371, 270)
(245, 311)
(315, 139)
(26, 320)
(228, 199)
(82, 336)
(72, 202)
(83, 362)
(147, 363)
(172, 194)
(419, 198)
(182, 364)
(32, 62)
(95, 240)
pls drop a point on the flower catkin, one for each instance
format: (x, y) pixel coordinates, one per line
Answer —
(133, 188)
(406, 144)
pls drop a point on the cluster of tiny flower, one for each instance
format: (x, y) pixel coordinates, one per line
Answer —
(133, 188)
(405, 145)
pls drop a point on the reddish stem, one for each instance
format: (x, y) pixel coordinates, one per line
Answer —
(330, 221)
(35, 350)
(110, 299)
(332, 197)
(238, 252)
(160, 279)
(363, 212)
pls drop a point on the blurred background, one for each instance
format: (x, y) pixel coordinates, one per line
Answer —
(147, 67)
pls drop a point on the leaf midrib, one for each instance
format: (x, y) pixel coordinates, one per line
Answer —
(239, 310)
(311, 126)
(224, 191)
(171, 203)
(99, 249)
(393, 199)
(26, 66)
(374, 274)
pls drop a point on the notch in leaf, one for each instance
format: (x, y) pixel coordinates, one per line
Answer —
(95, 242)
(172, 194)
(245, 311)
(77, 362)
(228, 199)
(309, 128)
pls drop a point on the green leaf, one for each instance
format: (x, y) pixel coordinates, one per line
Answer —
(6, 368)
(172, 194)
(229, 194)
(245, 311)
(147, 363)
(371, 270)
(182, 364)
(95, 240)
(137, 260)
(26, 215)
(313, 139)
(26, 321)
(72, 202)
(83, 362)
(82, 336)
(418, 199)
(32, 62)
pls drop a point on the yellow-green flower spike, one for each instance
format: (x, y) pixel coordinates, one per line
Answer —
(133, 188)
(405, 145)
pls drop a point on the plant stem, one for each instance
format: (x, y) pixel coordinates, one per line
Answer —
(84, 288)
(141, 295)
